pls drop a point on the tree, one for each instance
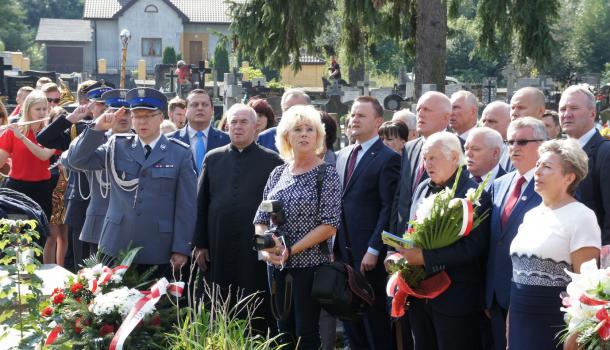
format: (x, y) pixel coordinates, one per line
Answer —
(169, 55)
(591, 35)
(221, 60)
(13, 32)
(37, 9)
(275, 30)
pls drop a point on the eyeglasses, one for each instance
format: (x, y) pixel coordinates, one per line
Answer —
(521, 142)
(53, 100)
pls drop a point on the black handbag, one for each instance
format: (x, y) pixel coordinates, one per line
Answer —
(340, 289)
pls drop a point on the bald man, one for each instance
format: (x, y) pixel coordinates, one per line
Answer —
(496, 115)
(433, 111)
(527, 102)
(464, 112)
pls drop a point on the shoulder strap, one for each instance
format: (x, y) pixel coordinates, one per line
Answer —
(319, 182)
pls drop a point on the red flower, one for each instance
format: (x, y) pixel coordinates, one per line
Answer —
(106, 329)
(55, 291)
(77, 326)
(77, 300)
(155, 320)
(76, 287)
(47, 311)
(58, 298)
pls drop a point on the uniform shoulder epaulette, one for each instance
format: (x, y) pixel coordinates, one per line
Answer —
(125, 136)
(179, 142)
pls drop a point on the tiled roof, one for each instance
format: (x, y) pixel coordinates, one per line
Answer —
(55, 29)
(196, 11)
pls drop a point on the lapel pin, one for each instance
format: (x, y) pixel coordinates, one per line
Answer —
(524, 198)
(162, 147)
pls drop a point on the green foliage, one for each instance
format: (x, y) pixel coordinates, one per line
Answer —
(37, 9)
(591, 34)
(36, 53)
(221, 61)
(529, 23)
(169, 55)
(223, 323)
(273, 32)
(20, 295)
(178, 57)
(13, 31)
(250, 73)
(1, 45)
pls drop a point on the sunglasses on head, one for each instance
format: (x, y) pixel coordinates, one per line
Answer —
(521, 142)
(53, 100)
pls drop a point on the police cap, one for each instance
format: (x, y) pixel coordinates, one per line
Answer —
(116, 98)
(146, 98)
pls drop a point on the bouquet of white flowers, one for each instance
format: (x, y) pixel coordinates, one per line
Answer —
(440, 220)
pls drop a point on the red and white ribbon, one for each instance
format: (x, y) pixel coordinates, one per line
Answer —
(55, 332)
(108, 273)
(137, 312)
(468, 217)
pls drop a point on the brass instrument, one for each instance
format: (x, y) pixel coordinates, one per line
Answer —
(66, 96)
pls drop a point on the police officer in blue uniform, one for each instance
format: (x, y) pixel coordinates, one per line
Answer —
(152, 184)
(100, 186)
(58, 135)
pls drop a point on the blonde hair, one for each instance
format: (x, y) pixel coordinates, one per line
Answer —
(294, 116)
(573, 159)
(33, 98)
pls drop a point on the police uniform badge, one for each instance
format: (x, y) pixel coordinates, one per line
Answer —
(123, 94)
(141, 93)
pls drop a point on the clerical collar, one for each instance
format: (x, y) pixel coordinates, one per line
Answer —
(248, 148)
(434, 188)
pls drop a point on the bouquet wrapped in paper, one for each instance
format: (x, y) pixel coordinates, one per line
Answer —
(440, 220)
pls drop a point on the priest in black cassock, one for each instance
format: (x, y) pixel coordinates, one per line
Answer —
(230, 190)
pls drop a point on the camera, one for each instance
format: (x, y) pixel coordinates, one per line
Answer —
(265, 240)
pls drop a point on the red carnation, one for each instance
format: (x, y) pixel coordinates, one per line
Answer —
(77, 326)
(155, 320)
(55, 291)
(106, 329)
(76, 287)
(58, 298)
(47, 311)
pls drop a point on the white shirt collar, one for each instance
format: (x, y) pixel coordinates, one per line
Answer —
(153, 143)
(586, 137)
(193, 133)
(529, 175)
(367, 144)
(464, 135)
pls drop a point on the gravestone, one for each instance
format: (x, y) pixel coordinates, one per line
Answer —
(14, 83)
(71, 80)
(510, 75)
(233, 91)
(490, 88)
(115, 79)
(382, 93)
(161, 82)
(525, 82)
(3, 67)
(40, 74)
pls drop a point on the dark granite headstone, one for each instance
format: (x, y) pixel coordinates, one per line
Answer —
(162, 81)
(39, 74)
(71, 80)
(14, 83)
(335, 105)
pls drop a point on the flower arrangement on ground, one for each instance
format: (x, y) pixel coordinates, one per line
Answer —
(586, 306)
(97, 309)
(440, 220)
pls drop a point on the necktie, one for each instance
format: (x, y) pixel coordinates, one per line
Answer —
(148, 150)
(512, 200)
(199, 150)
(477, 179)
(351, 163)
(418, 175)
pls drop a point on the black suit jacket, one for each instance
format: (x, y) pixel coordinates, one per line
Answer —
(461, 260)
(404, 190)
(594, 190)
(366, 199)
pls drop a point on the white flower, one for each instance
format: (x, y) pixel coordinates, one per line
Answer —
(470, 195)
(93, 272)
(119, 300)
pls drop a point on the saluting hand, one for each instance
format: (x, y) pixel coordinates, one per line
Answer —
(104, 121)
(80, 113)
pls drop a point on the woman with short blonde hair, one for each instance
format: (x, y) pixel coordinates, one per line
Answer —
(294, 116)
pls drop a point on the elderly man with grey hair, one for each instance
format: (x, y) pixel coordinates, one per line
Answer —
(410, 120)
(513, 195)
(230, 190)
(482, 149)
(439, 323)
(577, 117)
(291, 97)
(464, 113)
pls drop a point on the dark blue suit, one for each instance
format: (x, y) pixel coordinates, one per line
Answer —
(594, 190)
(267, 138)
(366, 203)
(216, 138)
(499, 266)
(450, 321)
